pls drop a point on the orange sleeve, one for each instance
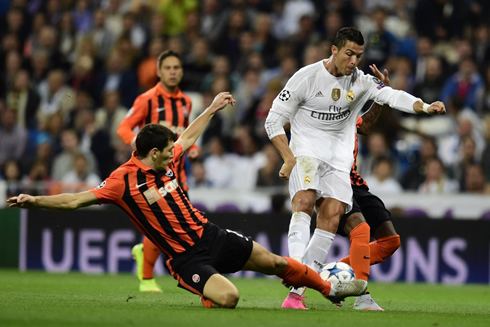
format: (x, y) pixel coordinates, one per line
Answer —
(110, 190)
(135, 117)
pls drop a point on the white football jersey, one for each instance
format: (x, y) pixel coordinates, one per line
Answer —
(323, 110)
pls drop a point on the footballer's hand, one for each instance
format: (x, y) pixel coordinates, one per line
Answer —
(21, 201)
(383, 77)
(286, 169)
(437, 108)
(221, 101)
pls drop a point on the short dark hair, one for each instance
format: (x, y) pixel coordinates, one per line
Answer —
(153, 136)
(165, 54)
(346, 34)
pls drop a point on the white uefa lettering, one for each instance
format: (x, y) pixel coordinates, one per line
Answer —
(66, 262)
(89, 252)
(118, 252)
(417, 261)
(454, 261)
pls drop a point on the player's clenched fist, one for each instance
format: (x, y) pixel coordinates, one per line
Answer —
(437, 108)
(286, 170)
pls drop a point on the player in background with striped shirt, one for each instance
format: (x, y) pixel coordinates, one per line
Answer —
(167, 105)
(198, 251)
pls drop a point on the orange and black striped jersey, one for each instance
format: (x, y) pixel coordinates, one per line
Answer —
(157, 106)
(355, 178)
(155, 203)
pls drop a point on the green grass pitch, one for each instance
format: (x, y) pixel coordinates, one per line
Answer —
(43, 299)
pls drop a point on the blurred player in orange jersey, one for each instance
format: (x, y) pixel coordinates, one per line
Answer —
(167, 105)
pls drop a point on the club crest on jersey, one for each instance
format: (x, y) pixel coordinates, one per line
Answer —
(169, 173)
(285, 95)
(335, 94)
(350, 96)
(196, 278)
(101, 185)
(307, 180)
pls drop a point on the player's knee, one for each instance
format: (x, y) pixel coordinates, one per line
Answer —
(228, 299)
(304, 204)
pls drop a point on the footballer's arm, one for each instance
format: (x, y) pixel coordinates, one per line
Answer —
(192, 133)
(64, 201)
(274, 126)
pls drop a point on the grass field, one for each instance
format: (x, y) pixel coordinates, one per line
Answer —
(42, 299)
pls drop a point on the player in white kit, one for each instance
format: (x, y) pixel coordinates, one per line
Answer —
(322, 102)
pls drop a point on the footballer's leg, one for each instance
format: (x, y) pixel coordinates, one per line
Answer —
(298, 238)
(387, 242)
(146, 254)
(219, 292)
(297, 274)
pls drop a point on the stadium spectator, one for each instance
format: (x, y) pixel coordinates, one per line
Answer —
(147, 74)
(25, 100)
(381, 181)
(12, 174)
(381, 44)
(377, 147)
(415, 174)
(118, 76)
(431, 85)
(218, 157)
(466, 157)
(110, 115)
(474, 179)
(13, 137)
(464, 83)
(79, 178)
(102, 37)
(483, 95)
(267, 175)
(38, 180)
(436, 180)
(67, 36)
(12, 64)
(198, 177)
(56, 96)
(198, 64)
(63, 162)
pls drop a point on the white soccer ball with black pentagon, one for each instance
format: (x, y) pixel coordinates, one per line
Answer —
(337, 272)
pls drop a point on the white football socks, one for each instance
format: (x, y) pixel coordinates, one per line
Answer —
(299, 235)
(318, 248)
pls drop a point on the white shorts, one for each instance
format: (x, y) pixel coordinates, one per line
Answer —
(328, 182)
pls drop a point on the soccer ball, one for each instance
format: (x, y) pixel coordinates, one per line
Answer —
(337, 272)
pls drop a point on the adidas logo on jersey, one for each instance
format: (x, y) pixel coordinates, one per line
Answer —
(319, 94)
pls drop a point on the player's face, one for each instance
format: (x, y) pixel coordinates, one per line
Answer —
(170, 72)
(164, 157)
(348, 57)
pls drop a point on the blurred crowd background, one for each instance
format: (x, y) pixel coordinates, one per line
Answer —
(71, 69)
